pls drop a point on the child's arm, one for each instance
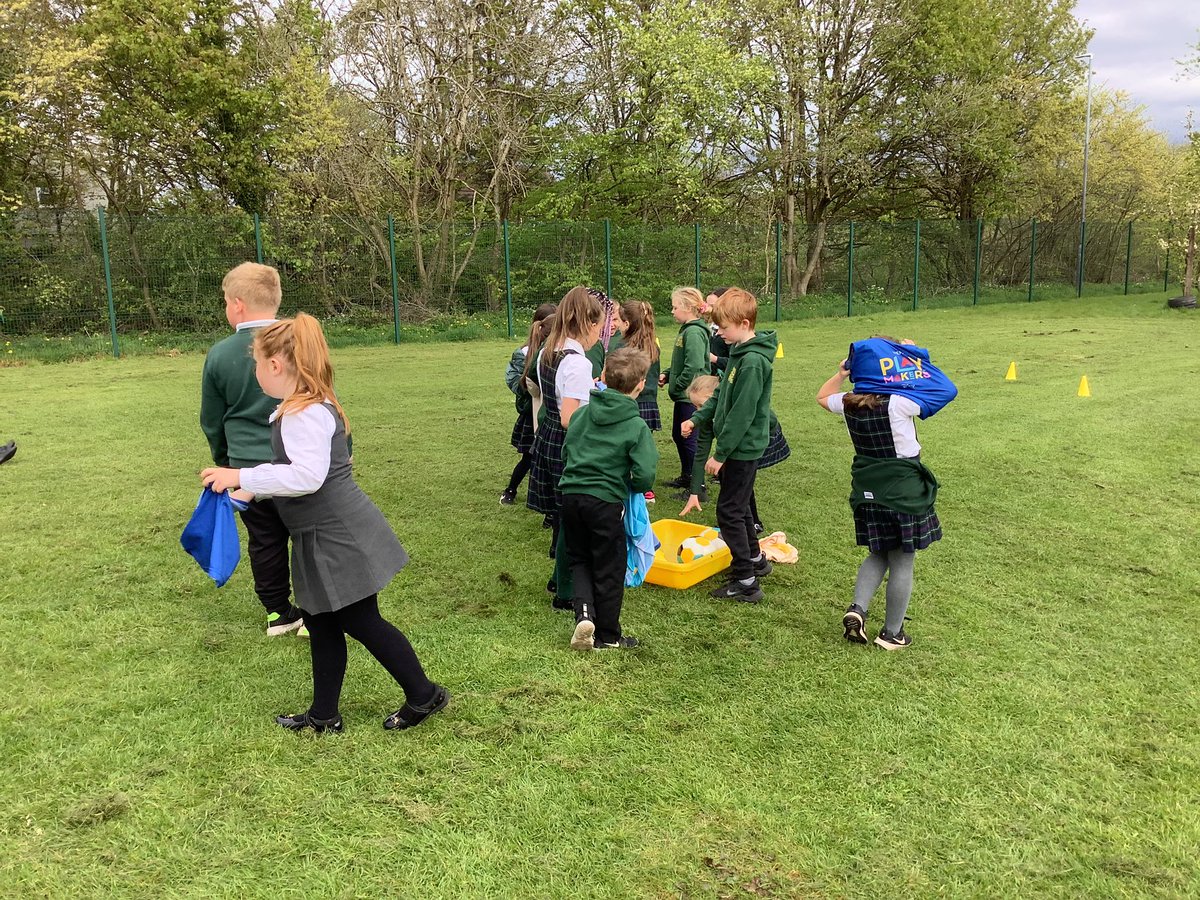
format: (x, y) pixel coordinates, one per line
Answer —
(738, 415)
(695, 358)
(833, 385)
(643, 463)
(212, 415)
(704, 438)
(306, 441)
(512, 375)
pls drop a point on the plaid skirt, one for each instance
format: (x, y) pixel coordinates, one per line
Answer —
(522, 433)
(777, 450)
(544, 495)
(880, 529)
(648, 410)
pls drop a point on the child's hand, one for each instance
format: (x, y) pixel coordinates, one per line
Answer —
(662, 380)
(693, 502)
(843, 370)
(909, 341)
(221, 480)
(713, 466)
(712, 357)
(687, 427)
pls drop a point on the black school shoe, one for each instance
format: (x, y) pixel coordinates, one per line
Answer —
(8, 451)
(853, 623)
(560, 605)
(508, 498)
(680, 482)
(304, 720)
(735, 590)
(409, 716)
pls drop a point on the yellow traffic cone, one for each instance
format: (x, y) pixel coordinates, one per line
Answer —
(1084, 390)
(1012, 371)
(779, 351)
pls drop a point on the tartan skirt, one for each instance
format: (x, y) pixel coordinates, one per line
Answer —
(648, 410)
(544, 495)
(522, 433)
(777, 450)
(880, 529)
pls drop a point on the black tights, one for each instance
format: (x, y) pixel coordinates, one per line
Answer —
(519, 472)
(362, 621)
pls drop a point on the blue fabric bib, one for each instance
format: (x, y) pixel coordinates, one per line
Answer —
(211, 538)
(640, 541)
(880, 366)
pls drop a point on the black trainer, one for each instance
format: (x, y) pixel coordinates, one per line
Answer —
(897, 641)
(853, 623)
(508, 498)
(682, 481)
(304, 720)
(560, 604)
(409, 716)
(763, 567)
(8, 451)
(624, 642)
(735, 590)
(282, 623)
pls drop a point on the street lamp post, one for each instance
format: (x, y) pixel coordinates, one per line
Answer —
(1087, 134)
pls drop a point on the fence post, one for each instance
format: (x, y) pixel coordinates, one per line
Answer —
(916, 263)
(1082, 256)
(608, 257)
(507, 279)
(1032, 256)
(395, 281)
(978, 247)
(258, 239)
(1128, 255)
(112, 311)
(850, 274)
(778, 265)
(696, 253)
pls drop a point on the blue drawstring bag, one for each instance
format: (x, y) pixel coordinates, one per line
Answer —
(880, 366)
(211, 538)
(640, 540)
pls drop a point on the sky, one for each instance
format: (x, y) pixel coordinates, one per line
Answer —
(1135, 49)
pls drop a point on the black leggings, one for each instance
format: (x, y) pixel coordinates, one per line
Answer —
(362, 621)
(519, 472)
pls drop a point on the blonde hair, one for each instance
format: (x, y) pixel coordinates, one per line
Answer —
(702, 384)
(734, 306)
(577, 312)
(255, 285)
(624, 368)
(688, 297)
(300, 343)
(640, 333)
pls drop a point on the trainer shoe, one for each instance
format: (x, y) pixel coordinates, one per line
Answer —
(561, 604)
(897, 641)
(852, 624)
(282, 623)
(8, 451)
(508, 498)
(649, 495)
(758, 528)
(735, 590)
(624, 642)
(584, 636)
(409, 716)
(304, 720)
(763, 567)
(681, 482)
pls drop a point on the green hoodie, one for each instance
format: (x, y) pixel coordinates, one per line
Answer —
(689, 358)
(742, 415)
(608, 452)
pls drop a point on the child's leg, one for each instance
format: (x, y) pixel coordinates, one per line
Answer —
(870, 576)
(686, 447)
(574, 559)
(733, 516)
(327, 644)
(607, 566)
(754, 510)
(519, 472)
(267, 546)
(387, 644)
(899, 588)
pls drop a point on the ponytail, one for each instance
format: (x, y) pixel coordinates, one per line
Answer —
(537, 339)
(640, 333)
(300, 342)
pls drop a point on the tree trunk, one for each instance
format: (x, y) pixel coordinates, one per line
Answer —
(1189, 272)
(814, 256)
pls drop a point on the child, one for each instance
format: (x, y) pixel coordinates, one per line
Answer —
(892, 495)
(688, 359)
(514, 377)
(234, 415)
(343, 551)
(608, 453)
(718, 350)
(565, 379)
(635, 323)
(741, 430)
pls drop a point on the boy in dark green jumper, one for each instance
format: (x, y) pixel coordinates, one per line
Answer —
(741, 414)
(235, 414)
(608, 453)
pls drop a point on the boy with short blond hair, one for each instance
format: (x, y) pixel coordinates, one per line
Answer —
(235, 417)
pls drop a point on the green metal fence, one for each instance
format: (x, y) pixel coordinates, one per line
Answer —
(98, 282)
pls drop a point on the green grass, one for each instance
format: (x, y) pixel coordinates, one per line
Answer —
(1038, 739)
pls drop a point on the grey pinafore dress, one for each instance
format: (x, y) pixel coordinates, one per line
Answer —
(343, 549)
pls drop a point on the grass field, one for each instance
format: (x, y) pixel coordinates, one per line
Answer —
(1038, 739)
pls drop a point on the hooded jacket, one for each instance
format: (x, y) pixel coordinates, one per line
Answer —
(689, 358)
(608, 452)
(742, 416)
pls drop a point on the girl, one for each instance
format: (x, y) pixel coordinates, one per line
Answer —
(343, 551)
(688, 359)
(565, 378)
(634, 323)
(514, 377)
(892, 495)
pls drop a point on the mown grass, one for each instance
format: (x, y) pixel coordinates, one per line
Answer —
(1037, 739)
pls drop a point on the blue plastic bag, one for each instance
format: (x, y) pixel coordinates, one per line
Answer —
(880, 366)
(211, 537)
(640, 540)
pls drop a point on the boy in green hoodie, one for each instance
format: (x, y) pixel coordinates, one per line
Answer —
(741, 414)
(608, 453)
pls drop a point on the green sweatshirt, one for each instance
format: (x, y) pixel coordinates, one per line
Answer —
(516, 384)
(650, 391)
(689, 358)
(233, 409)
(741, 415)
(608, 452)
(903, 485)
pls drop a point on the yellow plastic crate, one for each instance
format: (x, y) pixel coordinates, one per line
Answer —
(668, 571)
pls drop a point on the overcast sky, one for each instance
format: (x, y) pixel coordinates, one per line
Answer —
(1135, 48)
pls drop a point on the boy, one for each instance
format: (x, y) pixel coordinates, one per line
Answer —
(234, 414)
(740, 412)
(608, 453)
